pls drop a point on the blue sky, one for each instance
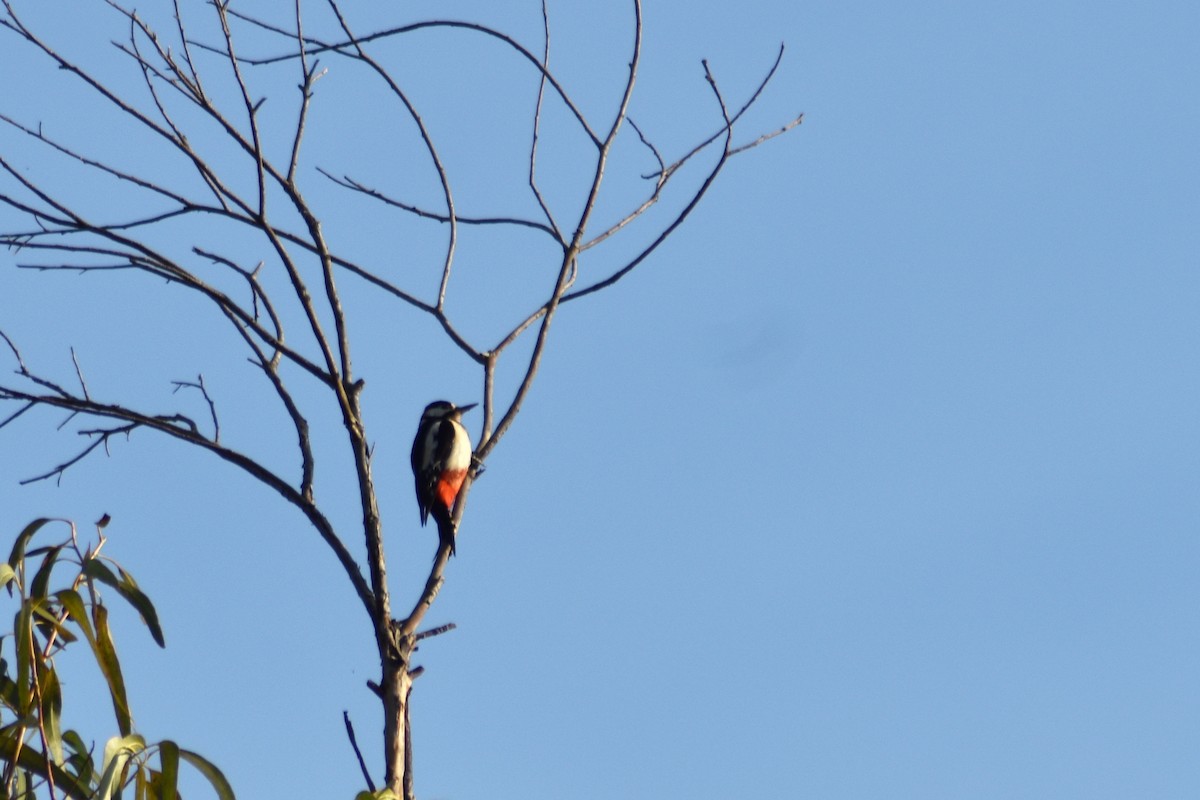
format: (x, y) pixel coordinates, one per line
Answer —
(878, 480)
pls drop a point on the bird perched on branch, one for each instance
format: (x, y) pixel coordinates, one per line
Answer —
(441, 457)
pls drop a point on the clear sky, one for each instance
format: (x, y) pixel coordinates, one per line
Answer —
(878, 480)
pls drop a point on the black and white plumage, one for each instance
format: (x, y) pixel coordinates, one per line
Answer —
(441, 457)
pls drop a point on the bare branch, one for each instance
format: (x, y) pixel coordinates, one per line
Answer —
(197, 86)
(79, 374)
(794, 122)
(352, 43)
(687, 209)
(299, 422)
(16, 353)
(198, 384)
(664, 173)
(661, 178)
(89, 162)
(662, 167)
(308, 80)
(16, 413)
(150, 72)
(443, 179)
(187, 207)
(430, 148)
(438, 631)
(362, 764)
(489, 392)
(254, 145)
(65, 236)
(141, 257)
(731, 120)
(349, 183)
(13, 23)
(263, 169)
(537, 123)
(567, 269)
(101, 440)
(406, 628)
(181, 427)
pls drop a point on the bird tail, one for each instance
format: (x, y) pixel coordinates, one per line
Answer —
(446, 528)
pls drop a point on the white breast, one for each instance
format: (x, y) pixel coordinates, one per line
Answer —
(460, 454)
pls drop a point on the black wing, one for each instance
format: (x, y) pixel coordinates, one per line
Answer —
(426, 479)
(423, 481)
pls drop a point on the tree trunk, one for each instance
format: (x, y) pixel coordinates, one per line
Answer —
(396, 688)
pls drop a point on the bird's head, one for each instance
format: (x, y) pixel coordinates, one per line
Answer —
(444, 409)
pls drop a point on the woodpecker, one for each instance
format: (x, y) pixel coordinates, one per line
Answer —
(441, 456)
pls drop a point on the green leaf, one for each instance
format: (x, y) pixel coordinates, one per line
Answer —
(18, 552)
(117, 752)
(6, 574)
(21, 787)
(168, 759)
(45, 616)
(80, 758)
(96, 569)
(73, 603)
(32, 762)
(37, 587)
(75, 742)
(127, 587)
(140, 601)
(100, 639)
(106, 657)
(52, 713)
(24, 645)
(8, 687)
(209, 770)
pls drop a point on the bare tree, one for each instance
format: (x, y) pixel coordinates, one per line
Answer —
(197, 94)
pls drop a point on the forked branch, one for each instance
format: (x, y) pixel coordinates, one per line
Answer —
(283, 300)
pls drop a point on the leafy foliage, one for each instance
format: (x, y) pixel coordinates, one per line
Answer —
(37, 756)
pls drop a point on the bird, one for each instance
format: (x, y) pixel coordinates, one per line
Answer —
(441, 457)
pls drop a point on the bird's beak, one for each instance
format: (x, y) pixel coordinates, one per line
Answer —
(466, 408)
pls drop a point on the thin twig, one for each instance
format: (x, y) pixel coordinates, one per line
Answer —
(198, 384)
(308, 77)
(799, 118)
(438, 631)
(730, 120)
(187, 54)
(675, 223)
(316, 47)
(101, 441)
(347, 182)
(182, 428)
(569, 263)
(537, 123)
(362, 764)
(79, 374)
(661, 177)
